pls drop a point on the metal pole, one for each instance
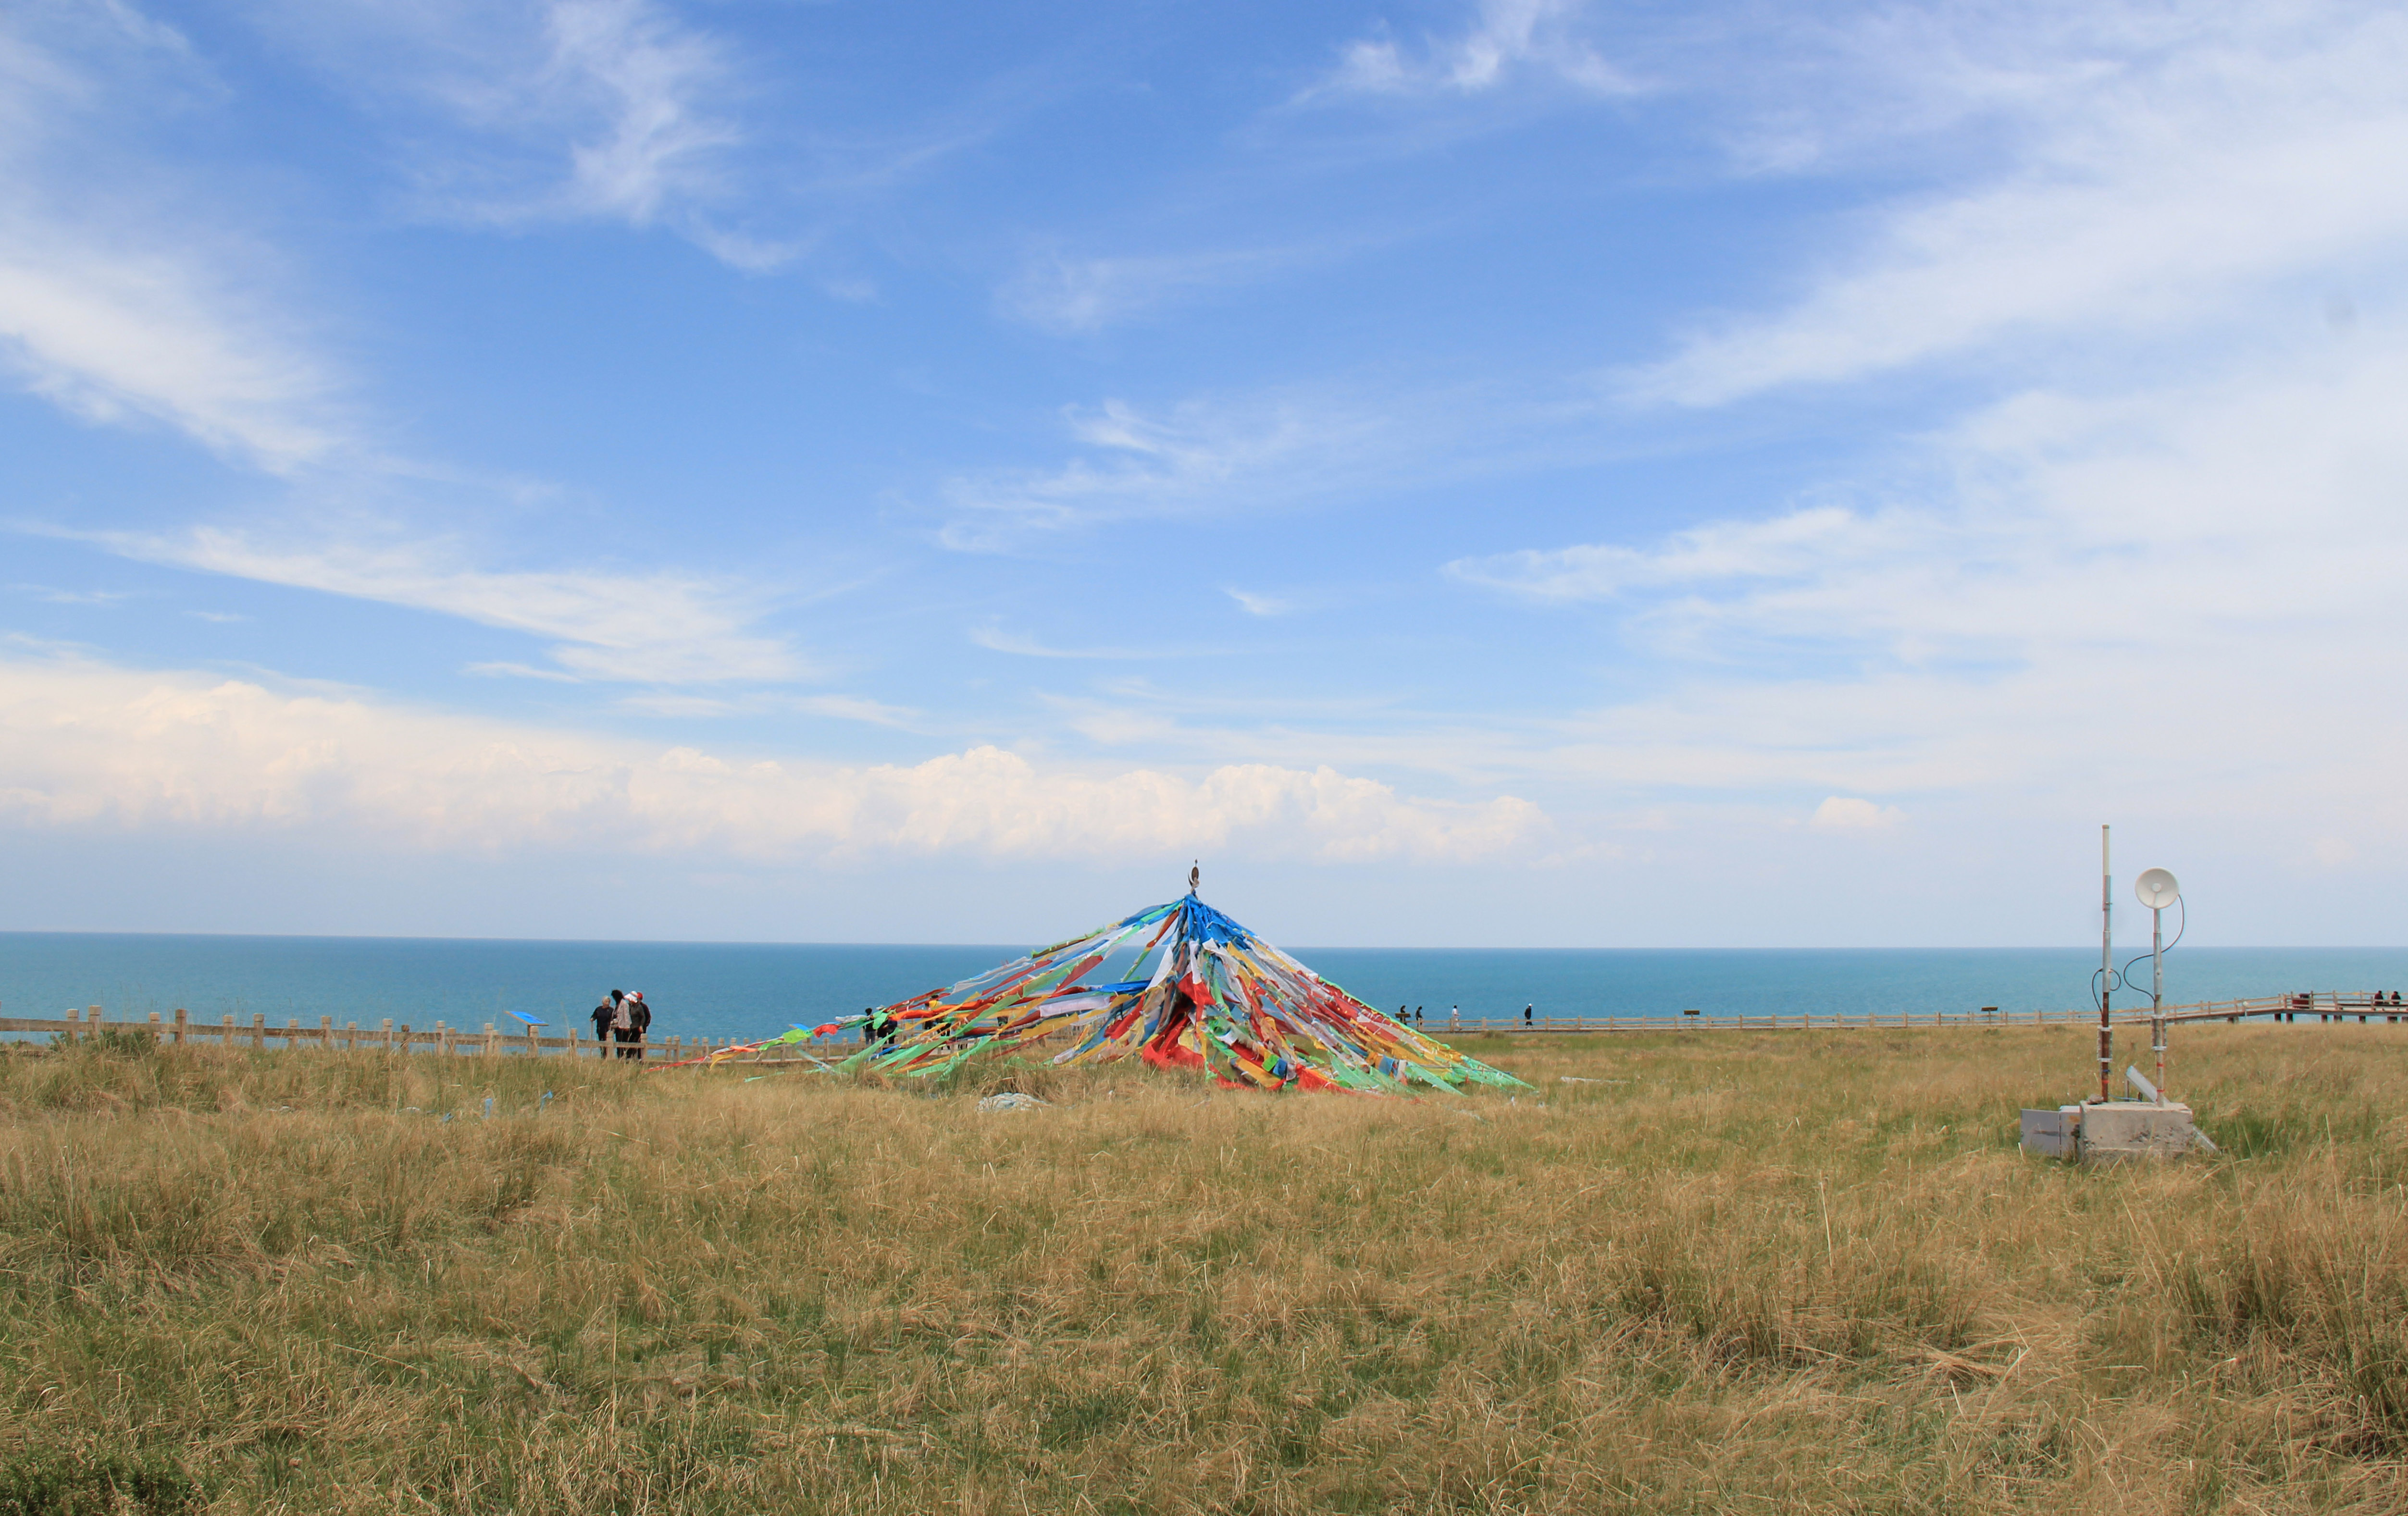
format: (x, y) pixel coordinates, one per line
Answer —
(2106, 966)
(2157, 991)
(2156, 957)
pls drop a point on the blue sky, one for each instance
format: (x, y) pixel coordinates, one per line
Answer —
(1514, 473)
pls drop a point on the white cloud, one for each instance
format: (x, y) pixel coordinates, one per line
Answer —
(1800, 542)
(1258, 605)
(1074, 296)
(994, 639)
(1505, 37)
(2168, 180)
(1845, 813)
(641, 79)
(1267, 451)
(87, 745)
(662, 627)
(2146, 599)
(560, 111)
(124, 297)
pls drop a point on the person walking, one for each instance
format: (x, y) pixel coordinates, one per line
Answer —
(1454, 1019)
(1527, 1023)
(606, 1016)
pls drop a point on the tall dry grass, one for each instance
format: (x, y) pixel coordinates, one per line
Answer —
(1780, 1272)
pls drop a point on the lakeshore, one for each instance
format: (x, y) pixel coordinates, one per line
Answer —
(1793, 1271)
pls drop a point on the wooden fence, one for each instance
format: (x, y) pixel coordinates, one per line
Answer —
(458, 1042)
(385, 1037)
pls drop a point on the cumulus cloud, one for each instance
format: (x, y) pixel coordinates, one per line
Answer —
(1845, 813)
(83, 744)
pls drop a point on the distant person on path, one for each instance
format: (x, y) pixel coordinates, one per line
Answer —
(606, 1016)
(1527, 1023)
(1417, 1016)
(1454, 1019)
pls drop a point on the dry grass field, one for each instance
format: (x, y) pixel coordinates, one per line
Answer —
(1782, 1272)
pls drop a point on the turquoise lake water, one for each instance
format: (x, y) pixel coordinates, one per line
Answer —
(751, 991)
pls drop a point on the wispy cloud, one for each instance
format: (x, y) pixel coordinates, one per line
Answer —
(83, 744)
(1258, 452)
(2204, 566)
(658, 628)
(1258, 605)
(995, 639)
(842, 708)
(612, 110)
(640, 79)
(2161, 190)
(48, 595)
(1800, 542)
(1502, 39)
(127, 301)
(1073, 296)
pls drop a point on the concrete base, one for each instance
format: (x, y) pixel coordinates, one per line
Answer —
(2112, 1132)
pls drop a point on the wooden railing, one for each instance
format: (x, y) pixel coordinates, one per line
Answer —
(2362, 1004)
(385, 1037)
(180, 1027)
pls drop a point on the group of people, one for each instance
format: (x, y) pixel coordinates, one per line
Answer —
(1454, 1017)
(622, 1020)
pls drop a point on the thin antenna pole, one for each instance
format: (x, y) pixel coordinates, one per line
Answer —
(2106, 964)
(2157, 991)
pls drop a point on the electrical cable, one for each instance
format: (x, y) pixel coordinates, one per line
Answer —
(2182, 925)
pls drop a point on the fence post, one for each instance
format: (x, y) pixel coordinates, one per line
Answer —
(443, 1040)
(388, 1034)
(326, 1033)
(155, 1027)
(492, 1046)
(292, 1033)
(535, 1042)
(179, 1027)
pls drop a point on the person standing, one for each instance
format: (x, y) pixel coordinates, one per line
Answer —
(1454, 1019)
(639, 1019)
(1527, 1023)
(606, 1016)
